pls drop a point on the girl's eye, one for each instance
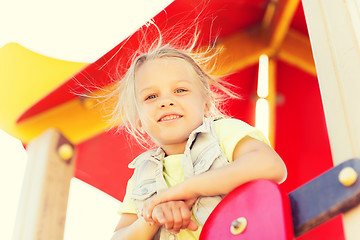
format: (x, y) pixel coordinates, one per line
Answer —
(180, 90)
(152, 96)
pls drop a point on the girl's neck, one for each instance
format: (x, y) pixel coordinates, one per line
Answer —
(174, 149)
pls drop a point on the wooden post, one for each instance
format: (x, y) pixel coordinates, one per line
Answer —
(334, 27)
(272, 101)
(42, 208)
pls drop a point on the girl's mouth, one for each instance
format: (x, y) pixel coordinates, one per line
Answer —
(169, 117)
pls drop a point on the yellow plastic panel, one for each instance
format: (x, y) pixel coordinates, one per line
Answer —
(73, 119)
(26, 77)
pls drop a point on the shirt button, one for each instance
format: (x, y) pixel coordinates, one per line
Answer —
(144, 190)
(172, 237)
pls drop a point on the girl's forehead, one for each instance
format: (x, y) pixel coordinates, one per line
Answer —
(171, 68)
(172, 62)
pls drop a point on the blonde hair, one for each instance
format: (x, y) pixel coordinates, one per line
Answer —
(125, 112)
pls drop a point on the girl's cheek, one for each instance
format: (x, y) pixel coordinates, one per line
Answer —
(148, 108)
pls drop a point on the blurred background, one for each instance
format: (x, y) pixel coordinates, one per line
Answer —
(53, 52)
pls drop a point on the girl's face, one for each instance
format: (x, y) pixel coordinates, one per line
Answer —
(170, 102)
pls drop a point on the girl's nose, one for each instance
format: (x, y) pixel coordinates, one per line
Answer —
(165, 104)
(166, 101)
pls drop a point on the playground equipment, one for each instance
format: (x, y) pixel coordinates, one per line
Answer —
(66, 136)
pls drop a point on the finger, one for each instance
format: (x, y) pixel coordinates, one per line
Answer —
(190, 202)
(158, 216)
(169, 220)
(192, 226)
(147, 218)
(144, 210)
(185, 216)
(149, 206)
(178, 221)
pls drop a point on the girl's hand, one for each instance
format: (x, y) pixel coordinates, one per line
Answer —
(175, 215)
(174, 193)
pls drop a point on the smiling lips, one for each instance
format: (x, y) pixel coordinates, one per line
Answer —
(169, 117)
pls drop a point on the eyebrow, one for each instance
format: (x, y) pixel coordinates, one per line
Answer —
(151, 87)
(145, 89)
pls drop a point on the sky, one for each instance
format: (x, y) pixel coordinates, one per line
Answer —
(78, 31)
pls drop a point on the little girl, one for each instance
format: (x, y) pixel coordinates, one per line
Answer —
(200, 157)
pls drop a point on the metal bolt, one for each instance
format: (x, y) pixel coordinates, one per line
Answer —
(238, 226)
(66, 151)
(347, 176)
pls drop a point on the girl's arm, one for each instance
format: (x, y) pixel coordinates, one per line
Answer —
(253, 160)
(132, 227)
(175, 215)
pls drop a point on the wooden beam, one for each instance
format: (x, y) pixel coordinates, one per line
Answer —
(296, 50)
(44, 197)
(277, 26)
(272, 101)
(332, 27)
(239, 51)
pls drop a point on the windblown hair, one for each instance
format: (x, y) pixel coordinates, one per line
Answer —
(125, 113)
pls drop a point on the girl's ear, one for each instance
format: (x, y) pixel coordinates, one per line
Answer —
(207, 109)
(138, 123)
(139, 126)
